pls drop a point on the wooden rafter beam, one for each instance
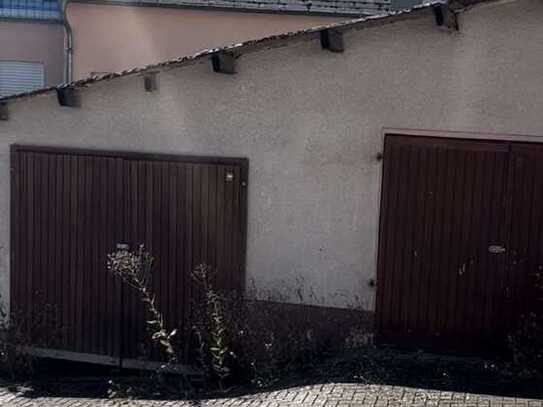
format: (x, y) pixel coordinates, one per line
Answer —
(224, 63)
(445, 17)
(4, 112)
(69, 96)
(332, 40)
(150, 82)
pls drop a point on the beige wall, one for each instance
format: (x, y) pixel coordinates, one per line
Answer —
(113, 38)
(310, 122)
(35, 42)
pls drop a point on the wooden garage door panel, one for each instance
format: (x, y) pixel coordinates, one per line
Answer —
(186, 214)
(526, 241)
(63, 228)
(70, 208)
(438, 283)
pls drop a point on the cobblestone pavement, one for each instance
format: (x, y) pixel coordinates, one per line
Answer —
(325, 395)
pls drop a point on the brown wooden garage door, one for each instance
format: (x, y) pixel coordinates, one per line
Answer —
(460, 240)
(71, 208)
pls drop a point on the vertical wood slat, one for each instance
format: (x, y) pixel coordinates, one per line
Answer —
(426, 247)
(429, 237)
(383, 292)
(419, 202)
(237, 234)
(435, 255)
(492, 273)
(17, 224)
(189, 260)
(465, 284)
(406, 272)
(455, 199)
(526, 254)
(393, 319)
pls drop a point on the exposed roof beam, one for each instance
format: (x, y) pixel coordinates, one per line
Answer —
(4, 113)
(69, 96)
(332, 40)
(224, 62)
(150, 82)
(445, 17)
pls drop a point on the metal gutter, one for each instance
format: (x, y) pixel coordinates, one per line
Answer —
(69, 43)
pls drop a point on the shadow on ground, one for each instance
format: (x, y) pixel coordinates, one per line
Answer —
(380, 366)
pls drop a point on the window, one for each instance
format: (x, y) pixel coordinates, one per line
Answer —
(30, 9)
(17, 77)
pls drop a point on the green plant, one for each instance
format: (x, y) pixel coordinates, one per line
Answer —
(211, 328)
(271, 340)
(19, 333)
(134, 268)
(236, 339)
(526, 346)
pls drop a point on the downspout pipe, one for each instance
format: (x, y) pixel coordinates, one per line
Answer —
(69, 44)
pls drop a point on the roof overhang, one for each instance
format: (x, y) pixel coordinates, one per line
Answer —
(255, 45)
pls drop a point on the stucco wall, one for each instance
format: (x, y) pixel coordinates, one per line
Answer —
(113, 38)
(311, 122)
(35, 42)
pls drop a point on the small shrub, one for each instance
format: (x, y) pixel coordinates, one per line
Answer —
(264, 341)
(210, 328)
(526, 346)
(239, 340)
(18, 333)
(134, 268)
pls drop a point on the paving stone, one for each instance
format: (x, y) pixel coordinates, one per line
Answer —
(322, 395)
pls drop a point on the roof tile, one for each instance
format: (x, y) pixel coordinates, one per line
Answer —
(352, 7)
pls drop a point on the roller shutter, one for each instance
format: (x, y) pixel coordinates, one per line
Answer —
(17, 77)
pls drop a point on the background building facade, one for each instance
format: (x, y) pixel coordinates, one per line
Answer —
(31, 45)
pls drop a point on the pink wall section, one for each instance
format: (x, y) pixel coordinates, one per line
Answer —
(112, 38)
(34, 42)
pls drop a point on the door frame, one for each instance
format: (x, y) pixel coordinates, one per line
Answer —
(243, 162)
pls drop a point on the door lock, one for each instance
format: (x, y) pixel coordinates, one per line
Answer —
(496, 249)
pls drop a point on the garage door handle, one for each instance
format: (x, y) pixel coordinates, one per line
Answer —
(495, 249)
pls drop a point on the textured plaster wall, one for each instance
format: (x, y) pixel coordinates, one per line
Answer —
(35, 42)
(311, 122)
